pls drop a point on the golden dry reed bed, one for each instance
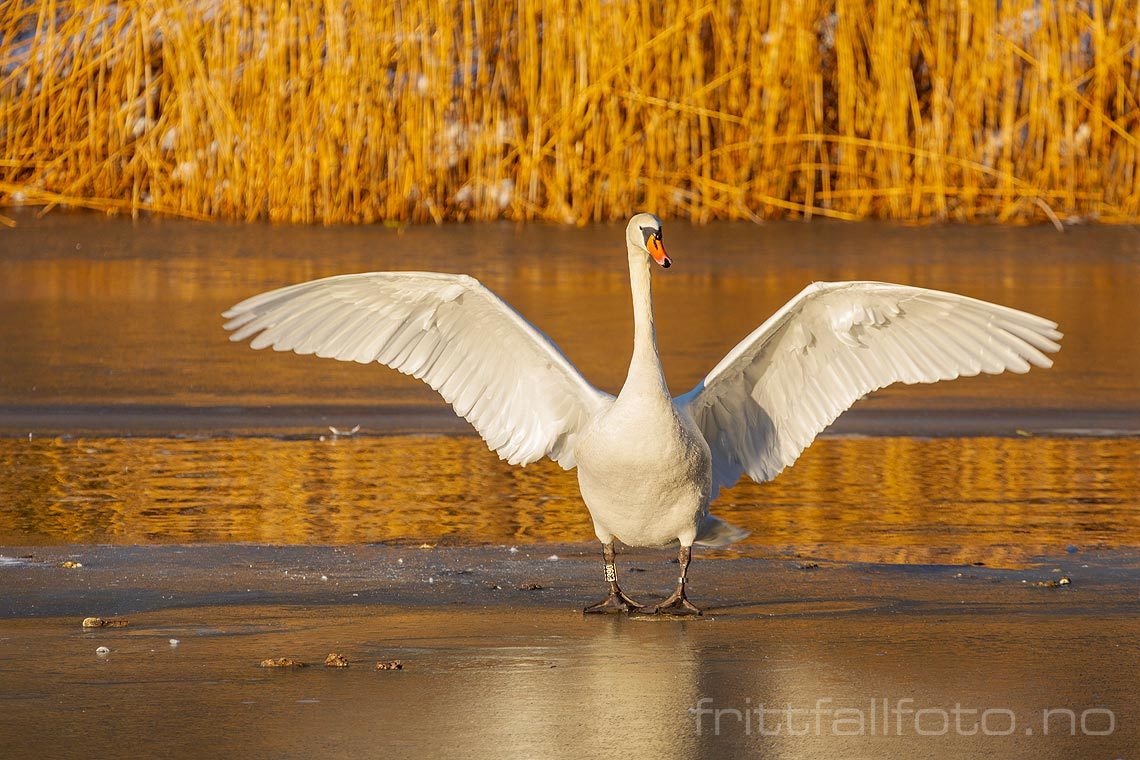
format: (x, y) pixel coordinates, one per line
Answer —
(574, 110)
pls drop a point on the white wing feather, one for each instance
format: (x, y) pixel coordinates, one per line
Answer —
(496, 369)
(832, 344)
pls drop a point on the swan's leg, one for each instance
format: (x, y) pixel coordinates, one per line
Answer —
(678, 603)
(617, 601)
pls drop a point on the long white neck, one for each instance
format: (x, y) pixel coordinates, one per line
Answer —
(645, 375)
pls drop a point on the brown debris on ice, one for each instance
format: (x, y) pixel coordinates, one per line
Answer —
(98, 622)
(390, 665)
(1064, 580)
(282, 662)
(335, 660)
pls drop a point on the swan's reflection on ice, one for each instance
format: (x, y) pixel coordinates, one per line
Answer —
(818, 687)
(627, 685)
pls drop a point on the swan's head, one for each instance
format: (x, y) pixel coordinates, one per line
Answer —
(644, 234)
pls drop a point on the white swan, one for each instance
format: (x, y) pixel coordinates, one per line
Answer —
(648, 464)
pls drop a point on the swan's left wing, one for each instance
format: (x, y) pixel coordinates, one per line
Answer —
(495, 368)
(833, 343)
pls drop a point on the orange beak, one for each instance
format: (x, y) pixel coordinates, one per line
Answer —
(657, 251)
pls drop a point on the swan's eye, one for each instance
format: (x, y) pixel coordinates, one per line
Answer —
(650, 234)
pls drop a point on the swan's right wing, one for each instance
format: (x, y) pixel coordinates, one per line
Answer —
(833, 343)
(495, 368)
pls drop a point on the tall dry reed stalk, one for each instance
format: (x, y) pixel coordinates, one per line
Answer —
(574, 110)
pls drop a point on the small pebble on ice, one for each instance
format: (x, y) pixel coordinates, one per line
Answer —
(514, 550)
(552, 558)
(324, 577)
(102, 651)
(174, 642)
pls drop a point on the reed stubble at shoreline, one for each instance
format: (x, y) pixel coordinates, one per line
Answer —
(573, 111)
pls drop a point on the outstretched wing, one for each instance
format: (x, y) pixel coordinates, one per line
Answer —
(496, 369)
(833, 343)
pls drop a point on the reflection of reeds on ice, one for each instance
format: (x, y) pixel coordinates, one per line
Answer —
(896, 500)
(573, 111)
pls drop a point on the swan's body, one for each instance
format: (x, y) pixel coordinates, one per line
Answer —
(645, 471)
(648, 464)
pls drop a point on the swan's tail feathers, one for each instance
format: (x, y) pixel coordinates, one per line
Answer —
(716, 532)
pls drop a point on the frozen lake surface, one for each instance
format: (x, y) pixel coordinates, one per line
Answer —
(912, 560)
